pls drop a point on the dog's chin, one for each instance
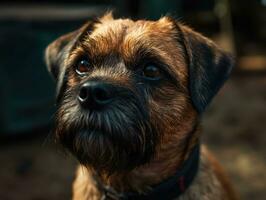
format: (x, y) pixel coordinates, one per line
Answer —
(110, 152)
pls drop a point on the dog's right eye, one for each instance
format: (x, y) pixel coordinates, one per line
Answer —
(151, 72)
(82, 67)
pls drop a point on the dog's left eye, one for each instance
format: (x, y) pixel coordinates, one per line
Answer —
(82, 67)
(152, 72)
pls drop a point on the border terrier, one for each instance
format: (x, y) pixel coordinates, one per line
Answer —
(130, 95)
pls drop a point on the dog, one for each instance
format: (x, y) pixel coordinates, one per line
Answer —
(130, 95)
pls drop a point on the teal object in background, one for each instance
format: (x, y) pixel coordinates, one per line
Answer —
(154, 9)
(26, 89)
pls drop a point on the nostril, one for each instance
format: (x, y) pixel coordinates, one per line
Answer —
(83, 94)
(101, 95)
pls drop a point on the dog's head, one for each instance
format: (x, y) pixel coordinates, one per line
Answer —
(123, 85)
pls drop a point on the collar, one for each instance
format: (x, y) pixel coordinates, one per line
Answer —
(168, 189)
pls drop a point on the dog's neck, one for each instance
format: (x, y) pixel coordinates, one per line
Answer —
(175, 149)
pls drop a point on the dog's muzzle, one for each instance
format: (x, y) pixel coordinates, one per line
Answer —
(106, 125)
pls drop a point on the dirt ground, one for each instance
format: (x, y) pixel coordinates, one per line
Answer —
(234, 129)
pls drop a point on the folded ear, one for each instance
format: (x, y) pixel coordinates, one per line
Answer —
(58, 50)
(209, 67)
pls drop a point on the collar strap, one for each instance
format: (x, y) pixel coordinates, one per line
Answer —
(168, 189)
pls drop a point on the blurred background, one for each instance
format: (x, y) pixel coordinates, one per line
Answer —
(234, 125)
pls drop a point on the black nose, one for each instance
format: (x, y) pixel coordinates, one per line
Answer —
(95, 94)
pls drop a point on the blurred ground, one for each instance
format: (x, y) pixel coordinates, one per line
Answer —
(234, 128)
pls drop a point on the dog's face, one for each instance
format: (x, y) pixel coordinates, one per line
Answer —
(123, 86)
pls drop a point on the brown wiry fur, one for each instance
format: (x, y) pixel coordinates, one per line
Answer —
(175, 119)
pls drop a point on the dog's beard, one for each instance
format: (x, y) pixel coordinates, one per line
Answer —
(114, 139)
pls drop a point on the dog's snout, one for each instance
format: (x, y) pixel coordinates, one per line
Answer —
(95, 94)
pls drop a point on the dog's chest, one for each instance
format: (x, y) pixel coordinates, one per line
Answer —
(206, 185)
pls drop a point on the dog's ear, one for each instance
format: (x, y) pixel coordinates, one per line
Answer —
(209, 67)
(58, 50)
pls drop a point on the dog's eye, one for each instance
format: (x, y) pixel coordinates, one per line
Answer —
(152, 72)
(82, 67)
